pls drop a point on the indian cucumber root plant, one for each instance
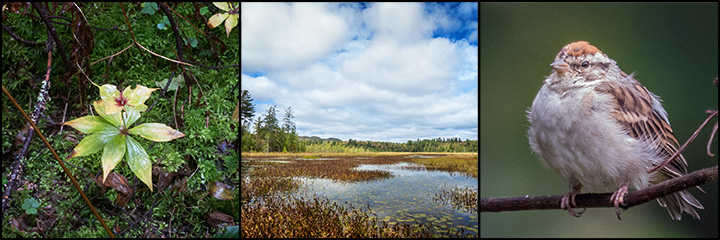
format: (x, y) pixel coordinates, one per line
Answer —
(153, 84)
(110, 131)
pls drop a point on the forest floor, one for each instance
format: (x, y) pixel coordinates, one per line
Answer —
(195, 178)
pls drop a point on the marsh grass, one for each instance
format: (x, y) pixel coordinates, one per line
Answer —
(466, 164)
(281, 217)
(259, 187)
(340, 169)
(460, 198)
(278, 215)
(368, 154)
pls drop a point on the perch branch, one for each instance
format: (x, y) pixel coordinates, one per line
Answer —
(595, 200)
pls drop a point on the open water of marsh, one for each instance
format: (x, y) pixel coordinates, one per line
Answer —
(407, 196)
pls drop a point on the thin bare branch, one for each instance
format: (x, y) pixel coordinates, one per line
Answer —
(12, 34)
(112, 55)
(163, 57)
(129, 26)
(595, 200)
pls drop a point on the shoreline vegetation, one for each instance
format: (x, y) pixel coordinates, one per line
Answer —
(361, 154)
(267, 211)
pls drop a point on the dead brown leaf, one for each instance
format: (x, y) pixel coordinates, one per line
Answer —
(20, 222)
(120, 184)
(215, 218)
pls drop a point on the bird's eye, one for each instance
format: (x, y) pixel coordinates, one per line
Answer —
(585, 64)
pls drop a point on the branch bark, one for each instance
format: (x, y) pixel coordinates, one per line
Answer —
(12, 34)
(44, 16)
(595, 200)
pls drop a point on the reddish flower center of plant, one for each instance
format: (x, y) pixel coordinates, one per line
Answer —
(121, 101)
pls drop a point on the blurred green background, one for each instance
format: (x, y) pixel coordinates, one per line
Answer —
(672, 48)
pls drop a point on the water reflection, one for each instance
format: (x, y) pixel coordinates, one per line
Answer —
(405, 197)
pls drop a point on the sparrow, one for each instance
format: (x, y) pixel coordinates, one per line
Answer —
(601, 129)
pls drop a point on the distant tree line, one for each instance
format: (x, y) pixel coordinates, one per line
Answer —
(272, 136)
(425, 145)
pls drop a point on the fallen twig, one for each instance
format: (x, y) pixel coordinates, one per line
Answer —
(16, 172)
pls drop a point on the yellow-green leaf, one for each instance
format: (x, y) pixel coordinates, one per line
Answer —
(230, 23)
(114, 118)
(156, 132)
(217, 19)
(222, 5)
(90, 124)
(132, 114)
(139, 161)
(93, 143)
(112, 154)
(138, 95)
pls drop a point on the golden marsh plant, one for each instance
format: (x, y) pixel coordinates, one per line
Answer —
(278, 217)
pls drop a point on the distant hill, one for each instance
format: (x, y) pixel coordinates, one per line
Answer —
(316, 138)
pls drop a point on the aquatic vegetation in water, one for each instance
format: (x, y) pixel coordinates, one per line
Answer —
(461, 198)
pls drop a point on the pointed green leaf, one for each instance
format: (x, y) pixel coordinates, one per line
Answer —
(193, 42)
(156, 132)
(93, 143)
(112, 154)
(115, 118)
(139, 161)
(90, 124)
(138, 95)
(109, 94)
(132, 114)
(222, 5)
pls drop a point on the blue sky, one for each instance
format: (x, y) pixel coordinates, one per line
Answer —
(367, 71)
